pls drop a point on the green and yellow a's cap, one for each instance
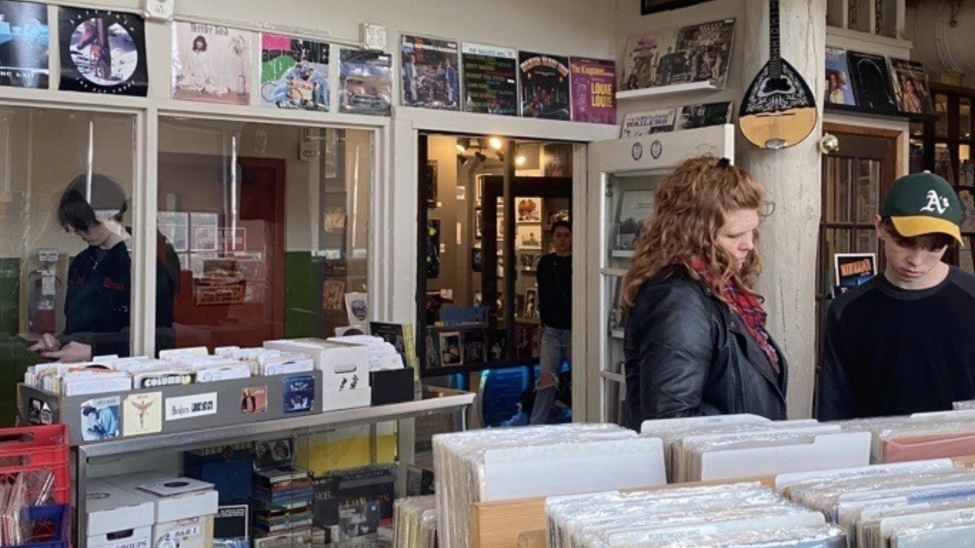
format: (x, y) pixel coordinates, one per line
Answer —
(923, 203)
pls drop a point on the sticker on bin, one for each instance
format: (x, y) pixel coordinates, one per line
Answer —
(188, 407)
(142, 414)
(100, 418)
(299, 394)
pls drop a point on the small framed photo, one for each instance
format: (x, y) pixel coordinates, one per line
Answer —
(527, 261)
(356, 307)
(531, 303)
(529, 210)
(478, 223)
(477, 259)
(451, 351)
(529, 236)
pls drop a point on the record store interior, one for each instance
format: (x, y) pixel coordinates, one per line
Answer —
(455, 274)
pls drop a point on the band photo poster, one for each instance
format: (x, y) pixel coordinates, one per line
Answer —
(24, 43)
(102, 52)
(429, 70)
(649, 59)
(911, 86)
(211, 63)
(490, 79)
(544, 85)
(593, 84)
(294, 73)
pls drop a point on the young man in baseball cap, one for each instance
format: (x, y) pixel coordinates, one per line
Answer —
(902, 342)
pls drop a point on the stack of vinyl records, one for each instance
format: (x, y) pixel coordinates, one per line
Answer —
(920, 436)
(505, 464)
(415, 521)
(741, 515)
(282, 501)
(741, 446)
(893, 505)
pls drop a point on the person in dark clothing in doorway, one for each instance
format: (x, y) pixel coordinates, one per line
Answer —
(554, 274)
(902, 342)
(96, 307)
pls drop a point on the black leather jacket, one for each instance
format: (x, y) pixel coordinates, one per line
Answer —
(688, 354)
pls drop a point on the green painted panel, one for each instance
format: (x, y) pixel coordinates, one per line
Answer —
(302, 297)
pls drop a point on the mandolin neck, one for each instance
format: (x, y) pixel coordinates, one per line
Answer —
(775, 59)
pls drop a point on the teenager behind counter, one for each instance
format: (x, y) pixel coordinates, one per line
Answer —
(904, 342)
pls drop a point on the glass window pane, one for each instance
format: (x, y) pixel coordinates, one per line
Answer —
(71, 280)
(868, 190)
(226, 193)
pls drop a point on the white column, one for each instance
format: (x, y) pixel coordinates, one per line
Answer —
(792, 178)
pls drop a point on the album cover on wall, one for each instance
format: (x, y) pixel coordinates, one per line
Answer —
(593, 90)
(365, 82)
(649, 59)
(294, 73)
(24, 43)
(871, 82)
(911, 86)
(102, 52)
(704, 53)
(839, 88)
(544, 81)
(704, 114)
(636, 124)
(211, 63)
(429, 73)
(490, 79)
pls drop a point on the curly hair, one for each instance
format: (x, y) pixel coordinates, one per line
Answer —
(689, 210)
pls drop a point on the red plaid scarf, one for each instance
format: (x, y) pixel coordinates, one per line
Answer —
(748, 308)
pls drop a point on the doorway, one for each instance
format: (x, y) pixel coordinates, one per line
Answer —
(855, 181)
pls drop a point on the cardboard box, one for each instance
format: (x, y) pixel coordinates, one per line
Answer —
(172, 409)
(391, 385)
(137, 537)
(344, 368)
(183, 507)
(111, 509)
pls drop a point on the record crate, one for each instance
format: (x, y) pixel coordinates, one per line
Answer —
(40, 455)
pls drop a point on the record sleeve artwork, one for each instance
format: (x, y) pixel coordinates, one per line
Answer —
(102, 52)
(23, 44)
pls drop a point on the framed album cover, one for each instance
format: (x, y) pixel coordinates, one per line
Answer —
(102, 52)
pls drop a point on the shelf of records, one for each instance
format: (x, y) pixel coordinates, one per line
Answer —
(222, 64)
(476, 345)
(857, 481)
(188, 389)
(875, 84)
(678, 59)
(636, 124)
(247, 494)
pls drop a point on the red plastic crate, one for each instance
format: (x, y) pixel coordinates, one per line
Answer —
(40, 454)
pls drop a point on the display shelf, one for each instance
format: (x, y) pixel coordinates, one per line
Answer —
(891, 115)
(705, 85)
(616, 333)
(434, 400)
(610, 376)
(619, 272)
(622, 253)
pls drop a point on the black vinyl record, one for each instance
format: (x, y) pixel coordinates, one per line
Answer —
(102, 52)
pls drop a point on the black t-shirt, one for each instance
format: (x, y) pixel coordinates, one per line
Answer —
(555, 290)
(891, 351)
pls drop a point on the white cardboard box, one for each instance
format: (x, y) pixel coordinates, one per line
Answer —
(196, 532)
(201, 501)
(138, 537)
(109, 507)
(345, 370)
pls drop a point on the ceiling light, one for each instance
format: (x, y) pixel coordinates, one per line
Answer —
(463, 144)
(461, 158)
(520, 160)
(495, 143)
(480, 156)
(500, 156)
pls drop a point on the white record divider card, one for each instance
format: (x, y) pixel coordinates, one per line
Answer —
(826, 451)
(521, 472)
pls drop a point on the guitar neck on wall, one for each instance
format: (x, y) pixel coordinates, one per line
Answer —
(779, 109)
